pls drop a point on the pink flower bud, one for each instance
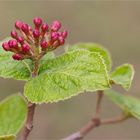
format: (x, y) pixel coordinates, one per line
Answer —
(14, 34)
(44, 44)
(61, 40)
(37, 21)
(56, 25)
(18, 24)
(44, 27)
(13, 43)
(20, 39)
(54, 36)
(64, 34)
(36, 33)
(25, 48)
(6, 46)
(25, 28)
(17, 57)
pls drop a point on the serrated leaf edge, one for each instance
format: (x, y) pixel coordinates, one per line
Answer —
(131, 79)
(68, 46)
(81, 91)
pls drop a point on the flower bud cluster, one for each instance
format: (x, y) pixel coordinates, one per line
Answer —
(34, 42)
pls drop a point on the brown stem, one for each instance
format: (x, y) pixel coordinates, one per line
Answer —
(98, 104)
(29, 122)
(118, 119)
(31, 108)
(94, 123)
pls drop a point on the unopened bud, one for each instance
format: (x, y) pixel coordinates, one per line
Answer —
(17, 57)
(36, 33)
(44, 44)
(14, 34)
(37, 21)
(25, 48)
(18, 24)
(5, 46)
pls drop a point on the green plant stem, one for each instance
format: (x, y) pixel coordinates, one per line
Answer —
(31, 108)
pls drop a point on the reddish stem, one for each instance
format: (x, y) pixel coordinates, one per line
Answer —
(95, 121)
(29, 122)
(31, 108)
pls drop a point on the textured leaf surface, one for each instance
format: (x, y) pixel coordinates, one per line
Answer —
(94, 47)
(44, 61)
(127, 103)
(68, 75)
(13, 112)
(123, 75)
(18, 70)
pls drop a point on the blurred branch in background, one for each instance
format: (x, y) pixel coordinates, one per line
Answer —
(96, 121)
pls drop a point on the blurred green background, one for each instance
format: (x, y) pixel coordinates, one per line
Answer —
(116, 25)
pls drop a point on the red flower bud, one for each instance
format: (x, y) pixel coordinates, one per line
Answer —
(44, 44)
(44, 27)
(30, 39)
(20, 39)
(14, 34)
(64, 34)
(17, 57)
(25, 28)
(18, 24)
(6, 46)
(61, 40)
(37, 21)
(25, 48)
(54, 36)
(56, 25)
(13, 43)
(36, 33)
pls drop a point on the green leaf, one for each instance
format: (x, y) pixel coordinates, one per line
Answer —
(123, 75)
(68, 75)
(128, 104)
(13, 113)
(94, 47)
(7, 138)
(44, 61)
(19, 70)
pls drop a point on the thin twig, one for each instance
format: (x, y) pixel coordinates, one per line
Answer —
(91, 125)
(96, 121)
(29, 122)
(118, 119)
(98, 104)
